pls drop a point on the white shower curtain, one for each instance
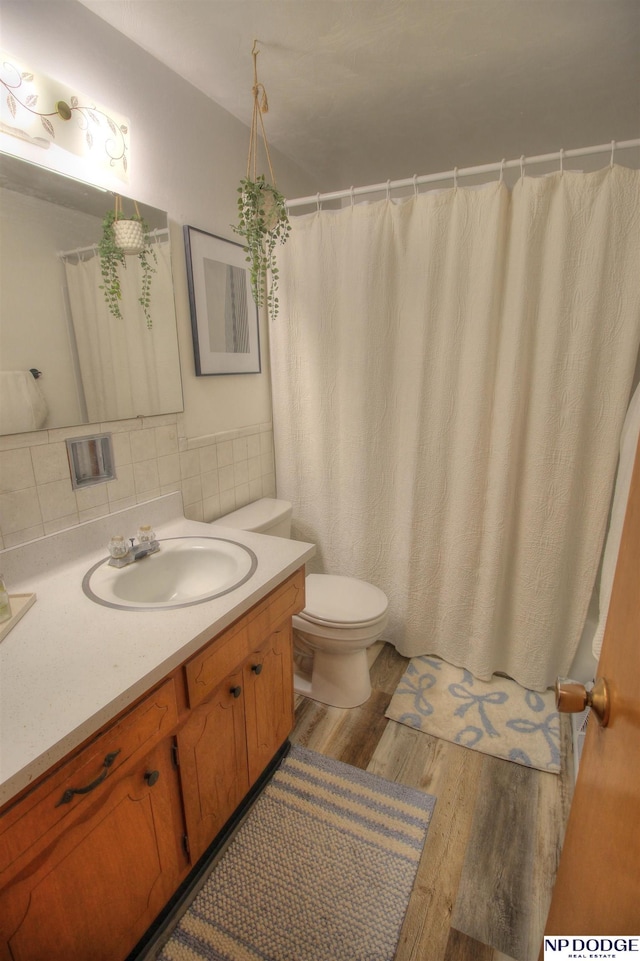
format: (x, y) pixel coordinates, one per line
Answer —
(127, 370)
(450, 376)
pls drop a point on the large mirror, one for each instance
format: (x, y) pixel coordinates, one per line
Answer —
(65, 359)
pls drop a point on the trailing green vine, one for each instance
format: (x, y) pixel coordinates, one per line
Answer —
(113, 257)
(263, 223)
(262, 210)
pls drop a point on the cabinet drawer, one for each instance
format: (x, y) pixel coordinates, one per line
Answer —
(227, 652)
(52, 805)
(221, 657)
(278, 607)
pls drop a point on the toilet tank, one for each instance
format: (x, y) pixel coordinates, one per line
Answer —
(265, 516)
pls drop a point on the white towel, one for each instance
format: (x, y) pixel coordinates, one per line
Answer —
(22, 404)
(628, 445)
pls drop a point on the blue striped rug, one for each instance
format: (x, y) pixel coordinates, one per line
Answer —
(321, 870)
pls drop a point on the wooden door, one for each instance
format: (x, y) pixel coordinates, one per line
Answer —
(598, 884)
(94, 891)
(269, 705)
(213, 763)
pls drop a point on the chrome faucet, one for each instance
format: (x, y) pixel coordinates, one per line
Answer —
(143, 549)
(122, 554)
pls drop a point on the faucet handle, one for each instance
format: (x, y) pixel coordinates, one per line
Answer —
(118, 547)
(145, 534)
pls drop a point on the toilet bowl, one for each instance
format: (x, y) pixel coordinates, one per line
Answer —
(342, 618)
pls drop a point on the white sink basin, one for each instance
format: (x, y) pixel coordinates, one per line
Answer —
(185, 571)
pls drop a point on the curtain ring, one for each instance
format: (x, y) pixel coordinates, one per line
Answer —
(415, 185)
(561, 161)
(613, 147)
(522, 166)
(455, 178)
(502, 163)
(388, 190)
(352, 196)
(318, 202)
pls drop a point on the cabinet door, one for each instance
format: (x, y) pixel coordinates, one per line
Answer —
(269, 705)
(96, 889)
(213, 763)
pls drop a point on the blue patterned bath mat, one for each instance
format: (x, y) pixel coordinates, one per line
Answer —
(321, 870)
(496, 717)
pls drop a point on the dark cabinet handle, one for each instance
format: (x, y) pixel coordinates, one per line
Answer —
(151, 777)
(257, 668)
(236, 691)
(106, 764)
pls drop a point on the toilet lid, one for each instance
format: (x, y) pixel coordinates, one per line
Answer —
(342, 600)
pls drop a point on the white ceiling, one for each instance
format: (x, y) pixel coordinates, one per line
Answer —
(361, 91)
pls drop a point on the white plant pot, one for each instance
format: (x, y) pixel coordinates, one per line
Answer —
(129, 235)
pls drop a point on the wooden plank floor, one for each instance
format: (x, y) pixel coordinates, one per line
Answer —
(485, 877)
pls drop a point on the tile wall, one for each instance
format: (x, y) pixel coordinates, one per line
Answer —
(216, 474)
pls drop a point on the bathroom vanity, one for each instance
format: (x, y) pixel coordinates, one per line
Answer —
(101, 825)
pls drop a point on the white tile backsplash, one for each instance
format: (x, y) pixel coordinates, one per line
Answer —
(58, 499)
(146, 476)
(16, 470)
(50, 462)
(215, 474)
(20, 509)
(169, 468)
(143, 445)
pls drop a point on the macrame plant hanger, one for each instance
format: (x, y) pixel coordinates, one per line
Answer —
(263, 220)
(260, 107)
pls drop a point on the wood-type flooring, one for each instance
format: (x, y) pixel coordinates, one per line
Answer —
(485, 878)
(484, 883)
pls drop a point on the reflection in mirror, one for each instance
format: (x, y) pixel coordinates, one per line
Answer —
(54, 317)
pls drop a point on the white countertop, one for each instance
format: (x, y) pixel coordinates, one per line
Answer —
(70, 665)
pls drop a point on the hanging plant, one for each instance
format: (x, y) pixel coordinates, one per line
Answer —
(122, 237)
(262, 212)
(263, 222)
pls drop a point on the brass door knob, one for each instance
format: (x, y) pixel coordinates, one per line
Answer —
(573, 697)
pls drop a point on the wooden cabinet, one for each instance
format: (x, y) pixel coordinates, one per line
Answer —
(213, 770)
(90, 856)
(268, 696)
(233, 733)
(93, 854)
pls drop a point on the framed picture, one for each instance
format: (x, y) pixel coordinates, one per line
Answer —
(224, 317)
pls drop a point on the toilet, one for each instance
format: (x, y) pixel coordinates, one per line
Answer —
(342, 618)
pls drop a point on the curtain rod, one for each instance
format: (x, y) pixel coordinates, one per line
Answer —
(464, 172)
(92, 248)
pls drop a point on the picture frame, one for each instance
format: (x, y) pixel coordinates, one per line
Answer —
(224, 317)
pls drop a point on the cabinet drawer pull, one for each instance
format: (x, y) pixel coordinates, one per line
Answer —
(151, 777)
(236, 691)
(106, 764)
(257, 668)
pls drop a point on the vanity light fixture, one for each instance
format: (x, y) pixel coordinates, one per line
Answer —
(41, 111)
